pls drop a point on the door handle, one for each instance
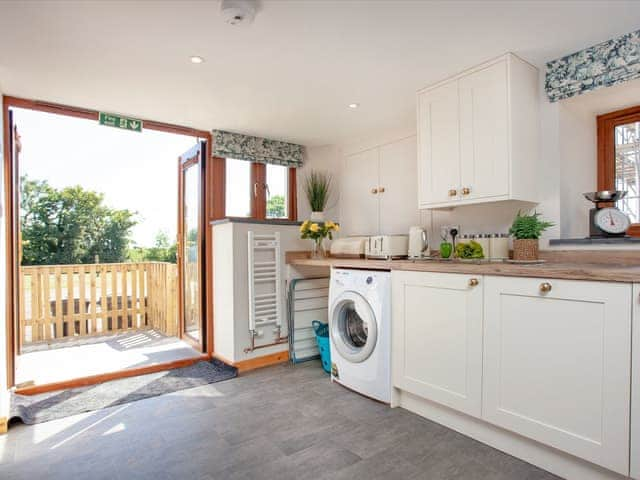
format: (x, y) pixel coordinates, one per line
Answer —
(381, 190)
(374, 191)
(453, 192)
(466, 191)
(473, 282)
(545, 287)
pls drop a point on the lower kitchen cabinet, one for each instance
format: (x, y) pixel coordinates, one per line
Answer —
(437, 338)
(557, 364)
(635, 385)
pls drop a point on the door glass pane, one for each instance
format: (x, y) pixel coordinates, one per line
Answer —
(190, 253)
(628, 168)
(354, 329)
(238, 188)
(278, 183)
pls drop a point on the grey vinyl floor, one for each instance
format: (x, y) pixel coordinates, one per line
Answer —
(279, 423)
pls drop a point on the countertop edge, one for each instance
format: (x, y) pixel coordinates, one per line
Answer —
(561, 271)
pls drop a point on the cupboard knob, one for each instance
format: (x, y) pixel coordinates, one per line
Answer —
(473, 282)
(466, 191)
(545, 287)
(453, 192)
(381, 190)
(374, 190)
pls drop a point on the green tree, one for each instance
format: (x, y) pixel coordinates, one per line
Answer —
(162, 251)
(70, 226)
(276, 207)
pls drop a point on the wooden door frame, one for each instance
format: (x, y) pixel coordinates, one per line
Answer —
(196, 161)
(213, 183)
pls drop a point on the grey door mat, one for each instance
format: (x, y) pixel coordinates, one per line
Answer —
(32, 409)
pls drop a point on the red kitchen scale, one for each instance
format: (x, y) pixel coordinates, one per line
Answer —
(607, 221)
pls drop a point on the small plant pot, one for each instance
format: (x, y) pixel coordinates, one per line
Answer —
(525, 249)
(317, 217)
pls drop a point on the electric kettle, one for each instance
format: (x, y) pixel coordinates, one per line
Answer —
(418, 243)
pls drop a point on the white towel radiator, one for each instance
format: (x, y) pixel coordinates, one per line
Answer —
(265, 287)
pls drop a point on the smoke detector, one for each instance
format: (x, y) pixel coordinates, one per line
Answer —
(238, 12)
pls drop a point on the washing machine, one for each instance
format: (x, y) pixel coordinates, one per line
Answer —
(360, 331)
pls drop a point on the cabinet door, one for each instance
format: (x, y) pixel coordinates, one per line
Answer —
(437, 338)
(557, 365)
(635, 391)
(484, 133)
(438, 145)
(398, 187)
(359, 203)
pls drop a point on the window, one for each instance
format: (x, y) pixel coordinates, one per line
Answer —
(260, 191)
(277, 186)
(238, 188)
(619, 160)
(627, 152)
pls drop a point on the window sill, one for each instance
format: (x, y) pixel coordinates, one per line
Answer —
(268, 221)
(595, 241)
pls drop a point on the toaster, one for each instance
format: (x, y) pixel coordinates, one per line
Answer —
(387, 246)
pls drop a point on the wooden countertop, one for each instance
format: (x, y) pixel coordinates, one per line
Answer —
(608, 272)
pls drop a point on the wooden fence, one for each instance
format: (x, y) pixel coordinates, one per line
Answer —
(67, 301)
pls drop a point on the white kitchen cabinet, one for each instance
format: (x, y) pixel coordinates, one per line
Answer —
(379, 190)
(557, 364)
(437, 338)
(360, 205)
(484, 133)
(438, 145)
(635, 386)
(478, 136)
(398, 189)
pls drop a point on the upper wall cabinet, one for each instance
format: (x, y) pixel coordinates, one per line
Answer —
(379, 190)
(478, 136)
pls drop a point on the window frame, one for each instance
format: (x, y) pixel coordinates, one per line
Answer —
(258, 192)
(606, 150)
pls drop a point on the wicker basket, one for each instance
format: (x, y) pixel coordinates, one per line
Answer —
(526, 249)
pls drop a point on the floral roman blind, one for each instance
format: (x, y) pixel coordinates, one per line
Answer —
(256, 149)
(608, 63)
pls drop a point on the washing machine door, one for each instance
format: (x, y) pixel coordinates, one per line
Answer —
(354, 329)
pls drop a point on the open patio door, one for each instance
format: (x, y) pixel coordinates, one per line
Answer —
(12, 212)
(190, 249)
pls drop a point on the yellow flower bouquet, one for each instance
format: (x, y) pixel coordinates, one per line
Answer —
(317, 232)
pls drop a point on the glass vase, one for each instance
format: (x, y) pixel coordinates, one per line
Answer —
(318, 252)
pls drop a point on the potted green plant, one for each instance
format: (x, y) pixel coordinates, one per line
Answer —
(317, 187)
(526, 231)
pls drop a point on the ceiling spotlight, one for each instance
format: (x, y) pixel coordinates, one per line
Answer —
(353, 105)
(196, 59)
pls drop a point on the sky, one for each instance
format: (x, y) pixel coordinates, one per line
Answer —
(136, 171)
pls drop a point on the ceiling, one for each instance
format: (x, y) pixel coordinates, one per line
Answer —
(291, 74)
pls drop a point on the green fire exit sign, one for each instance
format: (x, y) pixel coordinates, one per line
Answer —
(118, 121)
